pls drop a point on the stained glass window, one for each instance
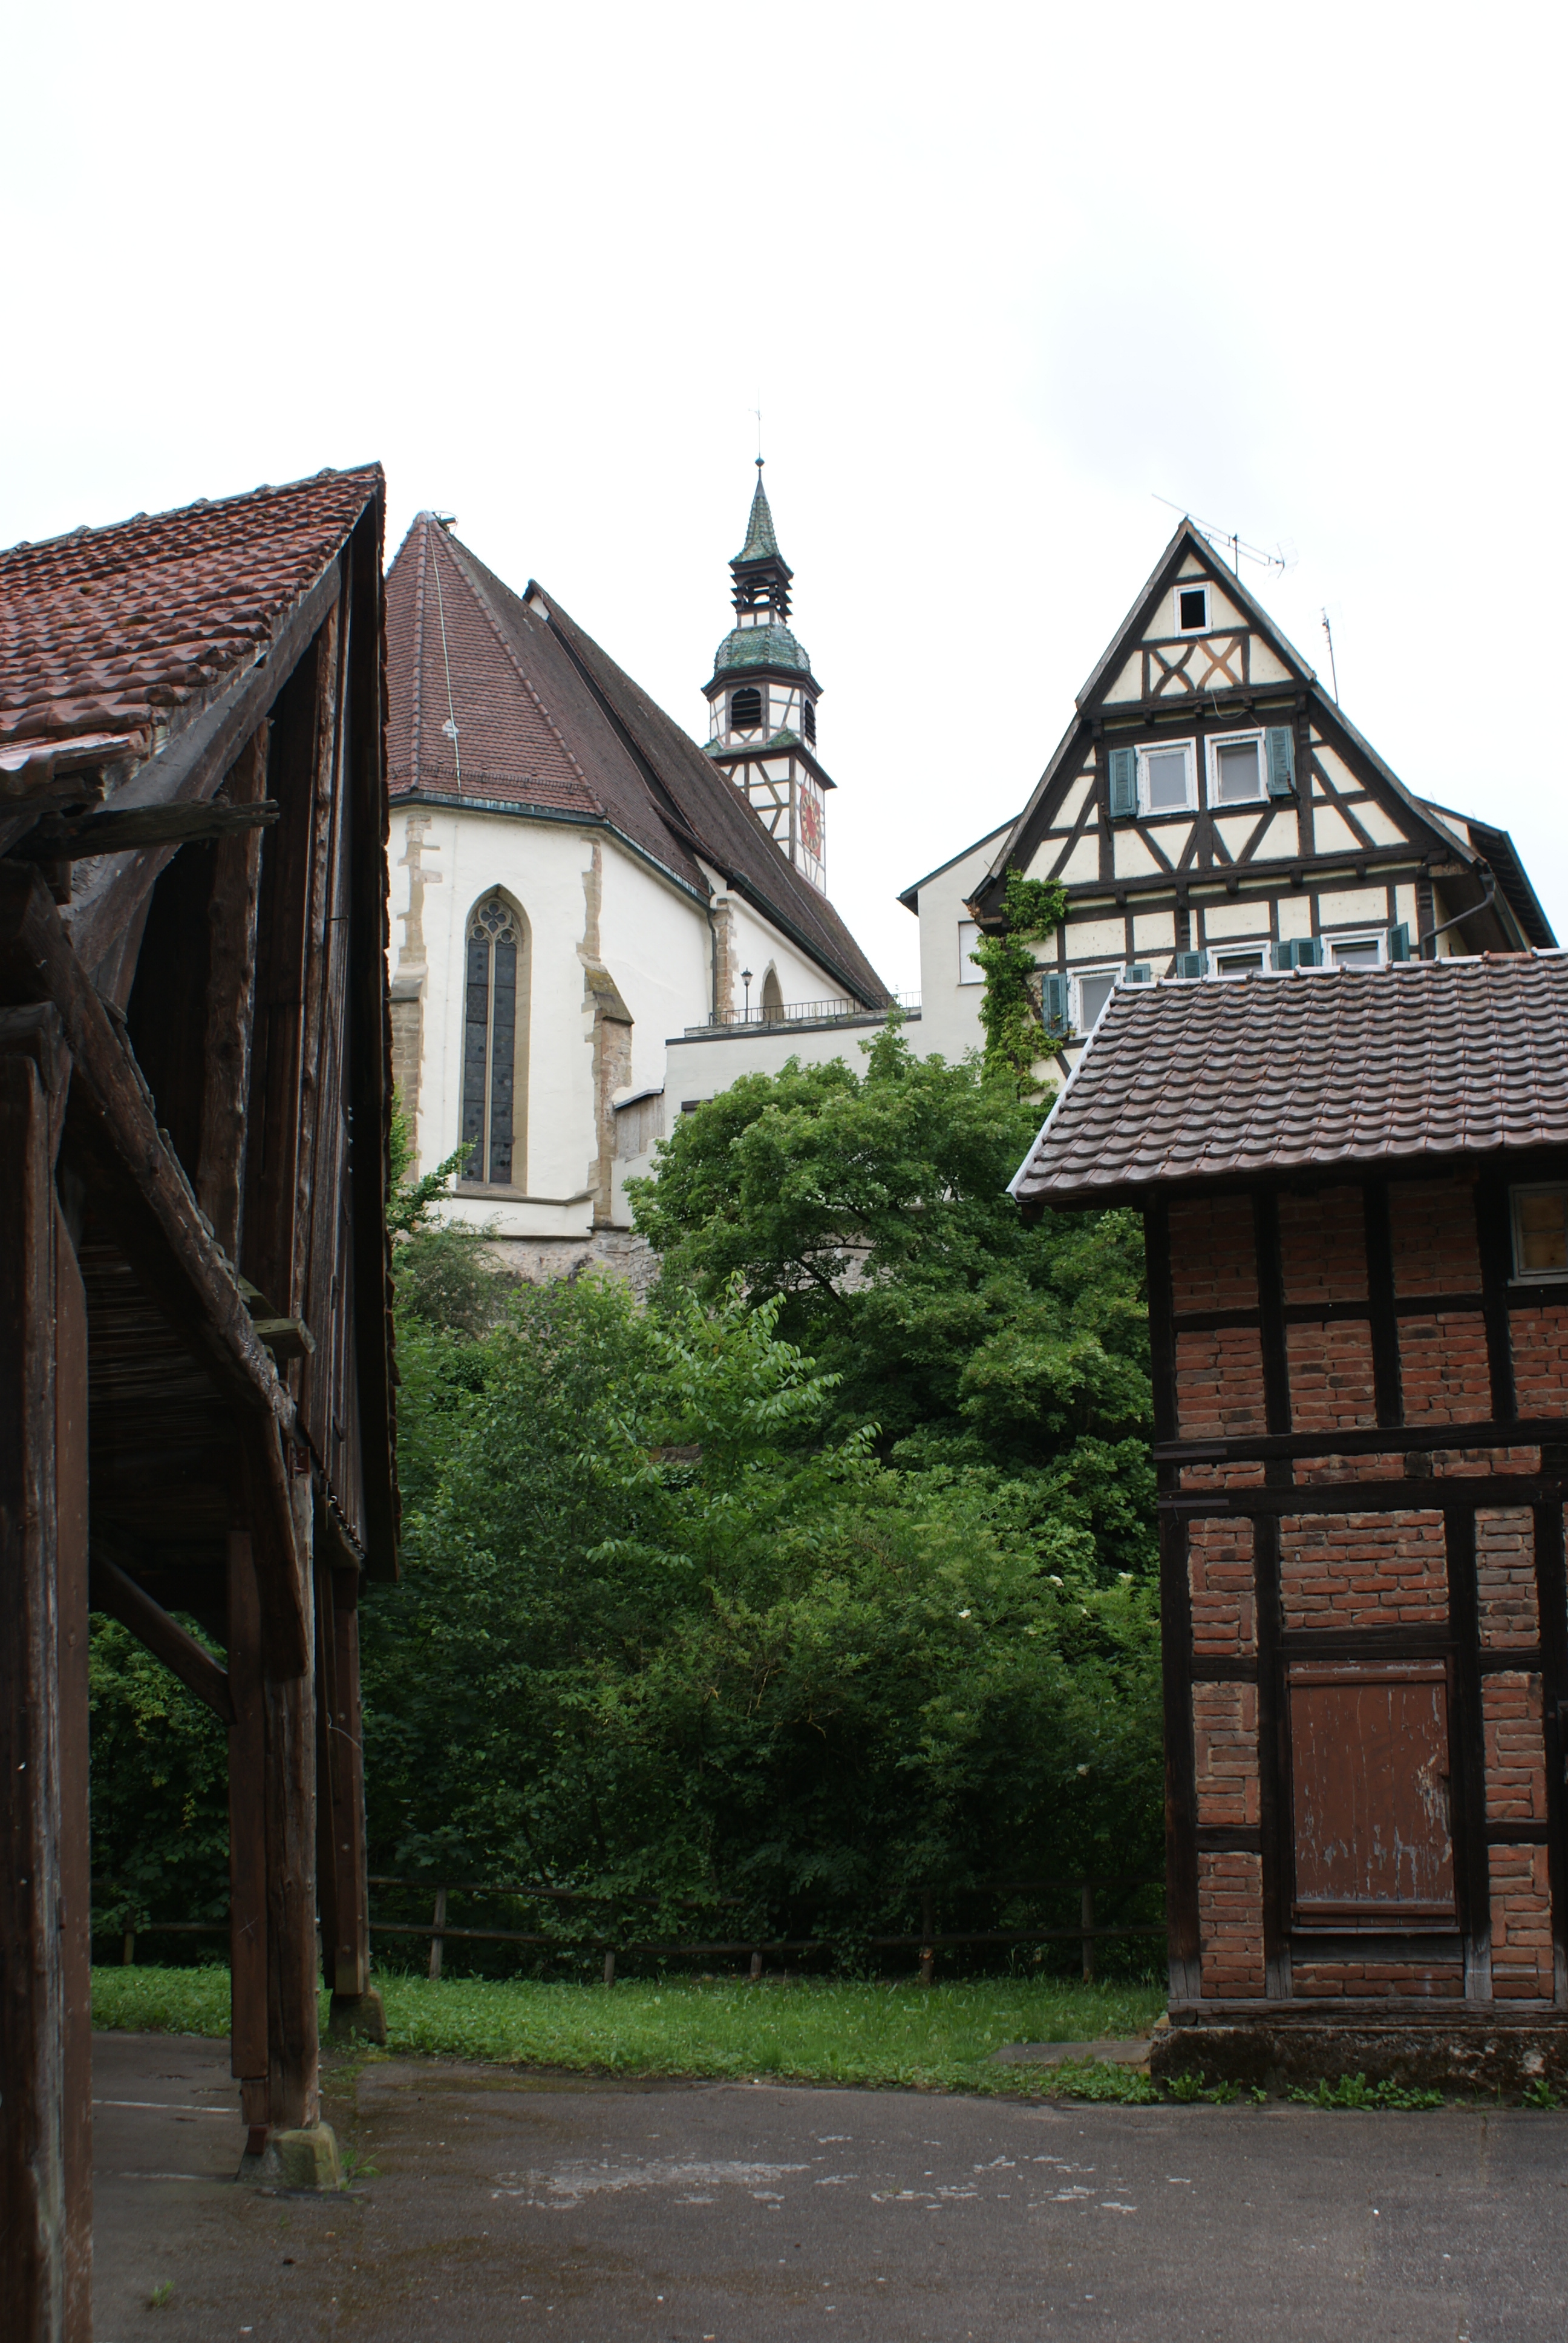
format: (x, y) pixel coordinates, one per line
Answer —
(490, 1041)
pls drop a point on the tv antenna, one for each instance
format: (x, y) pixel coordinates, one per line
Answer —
(1334, 671)
(1238, 544)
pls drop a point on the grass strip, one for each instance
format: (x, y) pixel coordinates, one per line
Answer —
(935, 2037)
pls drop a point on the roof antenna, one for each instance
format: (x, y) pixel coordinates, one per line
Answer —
(1334, 671)
(450, 726)
(1228, 537)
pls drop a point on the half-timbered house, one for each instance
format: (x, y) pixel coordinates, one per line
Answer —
(195, 1363)
(1211, 809)
(1355, 1186)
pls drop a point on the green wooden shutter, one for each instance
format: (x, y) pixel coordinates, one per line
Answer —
(1284, 955)
(1140, 972)
(1281, 748)
(1399, 942)
(1191, 963)
(1054, 1006)
(1123, 784)
(1309, 951)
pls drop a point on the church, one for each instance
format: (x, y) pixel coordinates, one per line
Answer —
(1212, 811)
(596, 923)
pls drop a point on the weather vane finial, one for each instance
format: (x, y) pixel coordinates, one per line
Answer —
(757, 411)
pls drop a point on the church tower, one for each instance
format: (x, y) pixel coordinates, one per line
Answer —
(763, 702)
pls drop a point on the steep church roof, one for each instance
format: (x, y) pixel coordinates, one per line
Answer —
(545, 722)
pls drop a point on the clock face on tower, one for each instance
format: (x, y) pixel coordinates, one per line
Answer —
(812, 821)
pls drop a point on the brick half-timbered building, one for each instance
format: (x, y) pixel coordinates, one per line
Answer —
(1355, 1187)
(195, 1360)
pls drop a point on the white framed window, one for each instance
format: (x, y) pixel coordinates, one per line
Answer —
(1237, 769)
(1167, 777)
(1355, 952)
(1192, 608)
(968, 936)
(1241, 959)
(1540, 1231)
(1091, 989)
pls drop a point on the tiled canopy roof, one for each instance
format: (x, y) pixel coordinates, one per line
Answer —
(1227, 1077)
(548, 723)
(111, 637)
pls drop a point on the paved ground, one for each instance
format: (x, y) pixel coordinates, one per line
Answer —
(526, 2206)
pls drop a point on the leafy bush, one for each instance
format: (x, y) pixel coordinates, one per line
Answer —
(662, 1632)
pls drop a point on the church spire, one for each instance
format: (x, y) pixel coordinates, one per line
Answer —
(760, 572)
(763, 700)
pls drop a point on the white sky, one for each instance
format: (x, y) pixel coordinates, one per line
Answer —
(999, 274)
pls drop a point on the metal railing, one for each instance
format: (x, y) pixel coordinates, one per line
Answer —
(839, 1011)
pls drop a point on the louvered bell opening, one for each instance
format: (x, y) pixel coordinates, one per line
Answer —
(808, 720)
(745, 709)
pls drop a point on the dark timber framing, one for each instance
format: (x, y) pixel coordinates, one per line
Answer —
(1268, 1475)
(195, 1363)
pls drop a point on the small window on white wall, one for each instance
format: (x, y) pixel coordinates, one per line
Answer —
(1192, 609)
(1165, 776)
(968, 936)
(1093, 987)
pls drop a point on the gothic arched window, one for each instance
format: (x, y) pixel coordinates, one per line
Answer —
(745, 708)
(772, 997)
(496, 979)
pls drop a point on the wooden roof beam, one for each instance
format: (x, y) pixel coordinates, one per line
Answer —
(147, 1202)
(111, 1589)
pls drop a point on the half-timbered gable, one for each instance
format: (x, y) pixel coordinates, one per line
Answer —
(1354, 1188)
(195, 1349)
(1211, 809)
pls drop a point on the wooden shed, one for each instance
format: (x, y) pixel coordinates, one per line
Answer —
(195, 1407)
(1355, 1187)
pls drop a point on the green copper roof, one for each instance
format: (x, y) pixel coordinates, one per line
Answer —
(768, 646)
(760, 540)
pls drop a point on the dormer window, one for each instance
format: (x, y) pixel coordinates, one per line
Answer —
(1193, 609)
(746, 708)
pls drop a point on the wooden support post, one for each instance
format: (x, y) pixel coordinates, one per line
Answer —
(75, 1853)
(246, 1847)
(34, 2215)
(350, 1955)
(294, 2045)
(609, 1968)
(1086, 1920)
(437, 1922)
(756, 1966)
(231, 981)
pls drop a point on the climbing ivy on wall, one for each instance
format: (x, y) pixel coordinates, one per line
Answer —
(1015, 1036)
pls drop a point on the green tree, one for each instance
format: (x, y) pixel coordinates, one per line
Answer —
(871, 1208)
(664, 1630)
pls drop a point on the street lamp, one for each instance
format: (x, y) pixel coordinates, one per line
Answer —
(745, 980)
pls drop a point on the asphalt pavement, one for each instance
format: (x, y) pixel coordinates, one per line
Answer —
(487, 2203)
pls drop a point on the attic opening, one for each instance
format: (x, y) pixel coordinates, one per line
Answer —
(1193, 609)
(745, 708)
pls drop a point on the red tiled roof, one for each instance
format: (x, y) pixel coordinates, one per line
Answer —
(1228, 1077)
(546, 721)
(111, 639)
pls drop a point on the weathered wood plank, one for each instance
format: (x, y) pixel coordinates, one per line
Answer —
(64, 838)
(231, 983)
(349, 1950)
(247, 1844)
(114, 1591)
(75, 1851)
(33, 2202)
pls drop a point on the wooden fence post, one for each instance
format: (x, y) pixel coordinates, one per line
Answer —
(1086, 1917)
(438, 1921)
(928, 1950)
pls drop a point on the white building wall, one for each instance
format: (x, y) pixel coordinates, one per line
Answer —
(950, 1004)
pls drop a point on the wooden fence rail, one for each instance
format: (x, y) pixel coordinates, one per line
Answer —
(437, 1931)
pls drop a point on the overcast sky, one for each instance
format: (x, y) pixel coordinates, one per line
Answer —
(997, 276)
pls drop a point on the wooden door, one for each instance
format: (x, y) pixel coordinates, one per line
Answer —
(1369, 1768)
